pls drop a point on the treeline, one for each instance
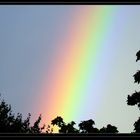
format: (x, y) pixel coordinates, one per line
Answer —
(11, 123)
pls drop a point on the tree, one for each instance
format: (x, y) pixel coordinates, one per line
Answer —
(49, 129)
(137, 126)
(138, 55)
(64, 128)
(109, 129)
(84, 127)
(137, 77)
(9, 123)
(70, 127)
(58, 121)
(87, 127)
(134, 99)
(36, 128)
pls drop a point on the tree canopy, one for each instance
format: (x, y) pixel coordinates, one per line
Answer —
(84, 127)
(134, 99)
(11, 123)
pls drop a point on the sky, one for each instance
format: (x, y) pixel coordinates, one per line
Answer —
(74, 61)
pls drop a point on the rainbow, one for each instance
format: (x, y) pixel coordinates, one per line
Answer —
(72, 76)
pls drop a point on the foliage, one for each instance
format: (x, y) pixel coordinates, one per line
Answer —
(84, 127)
(64, 128)
(138, 55)
(109, 129)
(137, 126)
(9, 123)
(137, 77)
(87, 127)
(134, 99)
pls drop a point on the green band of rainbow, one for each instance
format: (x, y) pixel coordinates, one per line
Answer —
(74, 67)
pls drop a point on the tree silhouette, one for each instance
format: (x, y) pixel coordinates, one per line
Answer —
(70, 127)
(11, 124)
(84, 127)
(64, 128)
(87, 127)
(58, 121)
(109, 129)
(36, 128)
(137, 126)
(137, 77)
(49, 129)
(134, 99)
(138, 55)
